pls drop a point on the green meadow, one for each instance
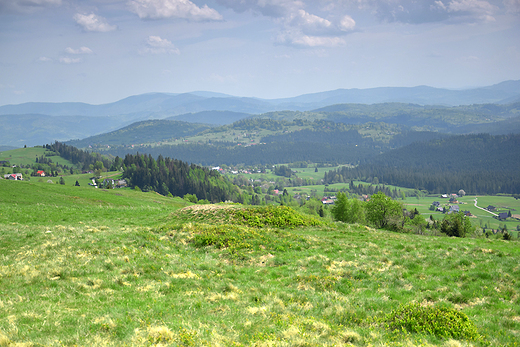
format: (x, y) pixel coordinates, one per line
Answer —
(27, 156)
(92, 267)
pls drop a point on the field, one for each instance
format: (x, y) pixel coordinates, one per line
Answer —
(467, 203)
(92, 267)
(27, 156)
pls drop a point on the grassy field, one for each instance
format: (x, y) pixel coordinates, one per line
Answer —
(467, 203)
(27, 156)
(91, 267)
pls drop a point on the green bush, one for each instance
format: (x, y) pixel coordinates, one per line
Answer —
(274, 216)
(443, 322)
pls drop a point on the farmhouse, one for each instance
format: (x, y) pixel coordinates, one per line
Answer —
(40, 173)
(14, 177)
(454, 208)
(502, 215)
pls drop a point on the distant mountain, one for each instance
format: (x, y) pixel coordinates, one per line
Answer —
(20, 127)
(38, 129)
(421, 95)
(168, 105)
(211, 117)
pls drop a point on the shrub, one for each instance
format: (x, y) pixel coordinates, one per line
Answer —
(443, 322)
(456, 224)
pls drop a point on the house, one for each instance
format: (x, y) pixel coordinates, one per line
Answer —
(502, 215)
(467, 213)
(40, 173)
(440, 209)
(436, 203)
(18, 177)
(454, 208)
(491, 208)
(121, 183)
(444, 196)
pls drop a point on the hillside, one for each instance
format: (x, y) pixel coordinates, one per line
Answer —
(479, 164)
(91, 267)
(211, 117)
(151, 131)
(34, 123)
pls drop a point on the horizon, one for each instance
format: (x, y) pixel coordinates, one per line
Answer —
(252, 97)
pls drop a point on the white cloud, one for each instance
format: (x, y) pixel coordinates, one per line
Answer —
(185, 9)
(81, 50)
(297, 26)
(44, 59)
(309, 23)
(347, 23)
(69, 60)
(158, 45)
(297, 39)
(93, 22)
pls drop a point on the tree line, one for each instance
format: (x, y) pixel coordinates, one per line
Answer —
(171, 176)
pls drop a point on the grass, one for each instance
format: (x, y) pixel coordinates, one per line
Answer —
(27, 156)
(131, 268)
(466, 203)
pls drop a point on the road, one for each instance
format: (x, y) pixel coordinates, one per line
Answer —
(483, 209)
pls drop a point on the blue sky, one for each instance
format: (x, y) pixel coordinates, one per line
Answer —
(100, 51)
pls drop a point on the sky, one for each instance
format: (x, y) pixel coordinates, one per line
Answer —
(101, 51)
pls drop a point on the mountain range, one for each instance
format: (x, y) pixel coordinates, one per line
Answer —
(35, 123)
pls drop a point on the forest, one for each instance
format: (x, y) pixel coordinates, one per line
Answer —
(177, 178)
(479, 164)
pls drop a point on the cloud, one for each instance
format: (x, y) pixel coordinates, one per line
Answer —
(297, 26)
(185, 9)
(303, 29)
(69, 60)
(26, 6)
(81, 50)
(303, 41)
(93, 22)
(44, 59)
(157, 45)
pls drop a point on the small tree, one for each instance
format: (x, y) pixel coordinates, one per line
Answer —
(462, 192)
(191, 198)
(456, 224)
(77, 184)
(62, 181)
(383, 212)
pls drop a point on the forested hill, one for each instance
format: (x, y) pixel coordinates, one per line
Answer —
(479, 164)
(164, 175)
(142, 132)
(171, 176)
